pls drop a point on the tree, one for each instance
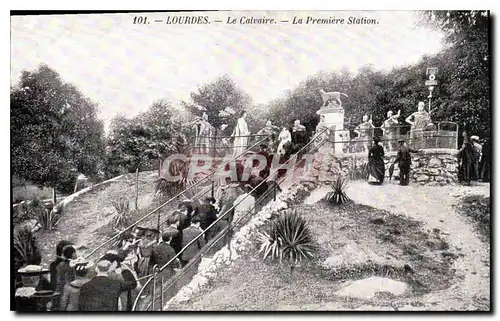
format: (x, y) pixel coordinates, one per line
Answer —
(221, 99)
(468, 60)
(55, 130)
(152, 135)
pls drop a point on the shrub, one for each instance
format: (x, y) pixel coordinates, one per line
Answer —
(25, 249)
(288, 238)
(360, 172)
(122, 218)
(338, 194)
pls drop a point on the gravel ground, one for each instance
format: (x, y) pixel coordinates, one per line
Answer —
(428, 245)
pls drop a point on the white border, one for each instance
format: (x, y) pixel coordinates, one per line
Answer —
(193, 5)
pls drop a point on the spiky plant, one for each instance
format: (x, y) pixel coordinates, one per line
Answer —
(289, 239)
(123, 212)
(26, 251)
(338, 194)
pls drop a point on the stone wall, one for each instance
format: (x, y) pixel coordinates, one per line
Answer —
(429, 167)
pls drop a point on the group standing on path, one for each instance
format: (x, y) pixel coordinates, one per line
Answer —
(473, 161)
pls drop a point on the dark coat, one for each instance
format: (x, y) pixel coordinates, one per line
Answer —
(53, 272)
(162, 253)
(65, 274)
(100, 294)
(188, 235)
(71, 295)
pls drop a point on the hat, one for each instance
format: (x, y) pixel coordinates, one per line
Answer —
(376, 139)
(401, 140)
(474, 137)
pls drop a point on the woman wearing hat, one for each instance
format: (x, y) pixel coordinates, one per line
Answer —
(376, 165)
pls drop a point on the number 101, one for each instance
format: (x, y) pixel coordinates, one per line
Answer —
(140, 20)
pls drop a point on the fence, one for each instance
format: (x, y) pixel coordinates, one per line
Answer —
(444, 135)
(220, 146)
(156, 300)
(111, 242)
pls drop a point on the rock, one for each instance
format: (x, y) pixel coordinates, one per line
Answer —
(440, 179)
(422, 178)
(433, 171)
(367, 288)
(435, 162)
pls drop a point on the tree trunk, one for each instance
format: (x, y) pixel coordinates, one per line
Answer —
(54, 198)
(137, 188)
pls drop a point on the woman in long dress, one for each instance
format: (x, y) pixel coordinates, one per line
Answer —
(241, 129)
(376, 165)
(284, 137)
(466, 160)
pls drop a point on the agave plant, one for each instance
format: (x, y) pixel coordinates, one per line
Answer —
(122, 217)
(338, 194)
(289, 239)
(26, 250)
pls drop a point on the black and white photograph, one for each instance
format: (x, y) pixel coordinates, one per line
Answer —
(271, 160)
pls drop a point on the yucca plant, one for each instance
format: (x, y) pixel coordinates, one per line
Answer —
(26, 251)
(338, 194)
(122, 217)
(288, 239)
(48, 215)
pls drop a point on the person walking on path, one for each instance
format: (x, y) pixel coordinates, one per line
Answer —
(403, 159)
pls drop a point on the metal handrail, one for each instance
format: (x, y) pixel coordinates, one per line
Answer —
(221, 217)
(113, 238)
(224, 232)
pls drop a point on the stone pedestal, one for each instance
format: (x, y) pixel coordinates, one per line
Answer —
(334, 116)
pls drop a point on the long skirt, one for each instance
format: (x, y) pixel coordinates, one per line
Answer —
(376, 170)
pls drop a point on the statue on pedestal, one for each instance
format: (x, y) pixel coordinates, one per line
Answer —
(284, 138)
(390, 129)
(365, 132)
(322, 134)
(203, 133)
(421, 119)
(240, 135)
(331, 97)
(272, 130)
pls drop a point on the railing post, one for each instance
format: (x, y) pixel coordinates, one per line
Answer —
(274, 190)
(161, 297)
(155, 275)
(158, 226)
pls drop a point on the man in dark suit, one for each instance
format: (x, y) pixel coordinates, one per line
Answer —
(189, 235)
(404, 159)
(207, 214)
(53, 269)
(102, 292)
(163, 253)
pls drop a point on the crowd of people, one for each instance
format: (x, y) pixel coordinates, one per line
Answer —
(113, 282)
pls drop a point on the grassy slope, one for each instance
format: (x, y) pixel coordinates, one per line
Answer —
(84, 217)
(391, 246)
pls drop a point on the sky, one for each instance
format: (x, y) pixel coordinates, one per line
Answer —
(125, 67)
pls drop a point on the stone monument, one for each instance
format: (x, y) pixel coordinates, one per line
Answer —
(333, 113)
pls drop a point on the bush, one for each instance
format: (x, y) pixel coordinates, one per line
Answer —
(288, 238)
(338, 194)
(122, 218)
(25, 249)
(360, 172)
(48, 216)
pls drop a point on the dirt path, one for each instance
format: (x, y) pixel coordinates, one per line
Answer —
(434, 206)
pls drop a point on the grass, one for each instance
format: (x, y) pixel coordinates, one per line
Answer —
(478, 209)
(29, 192)
(83, 219)
(391, 246)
